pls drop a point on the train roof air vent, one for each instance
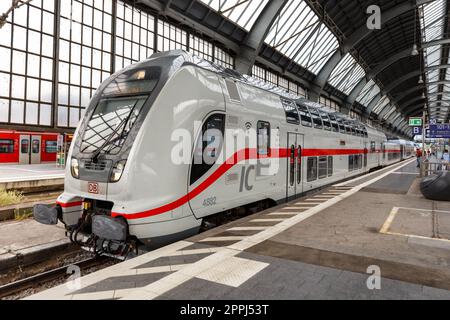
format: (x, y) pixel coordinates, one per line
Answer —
(233, 91)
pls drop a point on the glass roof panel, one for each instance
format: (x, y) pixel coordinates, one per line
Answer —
(242, 12)
(299, 34)
(347, 74)
(368, 93)
(381, 104)
(433, 19)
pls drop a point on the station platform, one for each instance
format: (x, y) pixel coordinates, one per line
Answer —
(29, 177)
(26, 242)
(328, 245)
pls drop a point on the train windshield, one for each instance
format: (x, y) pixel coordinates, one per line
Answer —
(110, 124)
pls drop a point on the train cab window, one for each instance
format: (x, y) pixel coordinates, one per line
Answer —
(323, 170)
(334, 124)
(305, 116)
(311, 169)
(317, 120)
(208, 147)
(330, 166)
(25, 146)
(35, 146)
(263, 138)
(291, 111)
(6, 146)
(326, 121)
(51, 146)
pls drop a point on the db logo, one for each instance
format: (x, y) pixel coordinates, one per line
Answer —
(93, 187)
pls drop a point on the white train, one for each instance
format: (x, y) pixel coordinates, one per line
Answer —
(123, 186)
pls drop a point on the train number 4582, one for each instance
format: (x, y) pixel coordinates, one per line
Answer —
(208, 202)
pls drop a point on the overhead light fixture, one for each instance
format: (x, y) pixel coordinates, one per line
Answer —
(415, 50)
(420, 80)
(423, 95)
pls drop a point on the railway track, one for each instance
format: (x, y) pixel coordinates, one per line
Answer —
(40, 279)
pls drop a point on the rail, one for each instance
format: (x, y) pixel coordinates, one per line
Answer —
(428, 167)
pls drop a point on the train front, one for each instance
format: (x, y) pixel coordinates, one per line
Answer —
(99, 158)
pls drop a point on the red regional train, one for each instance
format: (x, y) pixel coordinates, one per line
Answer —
(26, 147)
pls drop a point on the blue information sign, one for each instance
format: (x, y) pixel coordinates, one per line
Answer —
(440, 131)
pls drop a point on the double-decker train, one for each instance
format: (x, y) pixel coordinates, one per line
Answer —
(171, 141)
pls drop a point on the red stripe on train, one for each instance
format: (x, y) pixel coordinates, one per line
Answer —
(70, 204)
(239, 156)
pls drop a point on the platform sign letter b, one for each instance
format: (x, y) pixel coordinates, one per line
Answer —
(374, 20)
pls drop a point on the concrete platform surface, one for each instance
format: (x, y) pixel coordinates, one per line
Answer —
(345, 242)
(15, 172)
(27, 242)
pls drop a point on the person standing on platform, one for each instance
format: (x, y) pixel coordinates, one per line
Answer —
(445, 160)
(418, 156)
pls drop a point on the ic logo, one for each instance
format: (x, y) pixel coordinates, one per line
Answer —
(93, 187)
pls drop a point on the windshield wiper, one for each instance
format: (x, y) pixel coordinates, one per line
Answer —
(110, 139)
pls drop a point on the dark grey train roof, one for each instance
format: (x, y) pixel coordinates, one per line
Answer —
(254, 82)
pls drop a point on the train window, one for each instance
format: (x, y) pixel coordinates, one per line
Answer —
(365, 132)
(351, 159)
(292, 166)
(360, 162)
(6, 146)
(323, 170)
(334, 124)
(355, 162)
(208, 147)
(233, 91)
(330, 166)
(291, 111)
(312, 169)
(25, 146)
(35, 146)
(317, 120)
(305, 116)
(51, 146)
(263, 138)
(372, 146)
(299, 164)
(326, 121)
(341, 125)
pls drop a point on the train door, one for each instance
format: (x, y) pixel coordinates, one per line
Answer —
(35, 156)
(24, 150)
(30, 149)
(294, 179)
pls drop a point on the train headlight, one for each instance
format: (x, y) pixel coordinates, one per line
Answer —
(117, 171)
(75, 168)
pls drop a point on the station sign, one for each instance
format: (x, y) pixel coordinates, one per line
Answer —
(415, 122)
(440, 131)
(417, 131)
